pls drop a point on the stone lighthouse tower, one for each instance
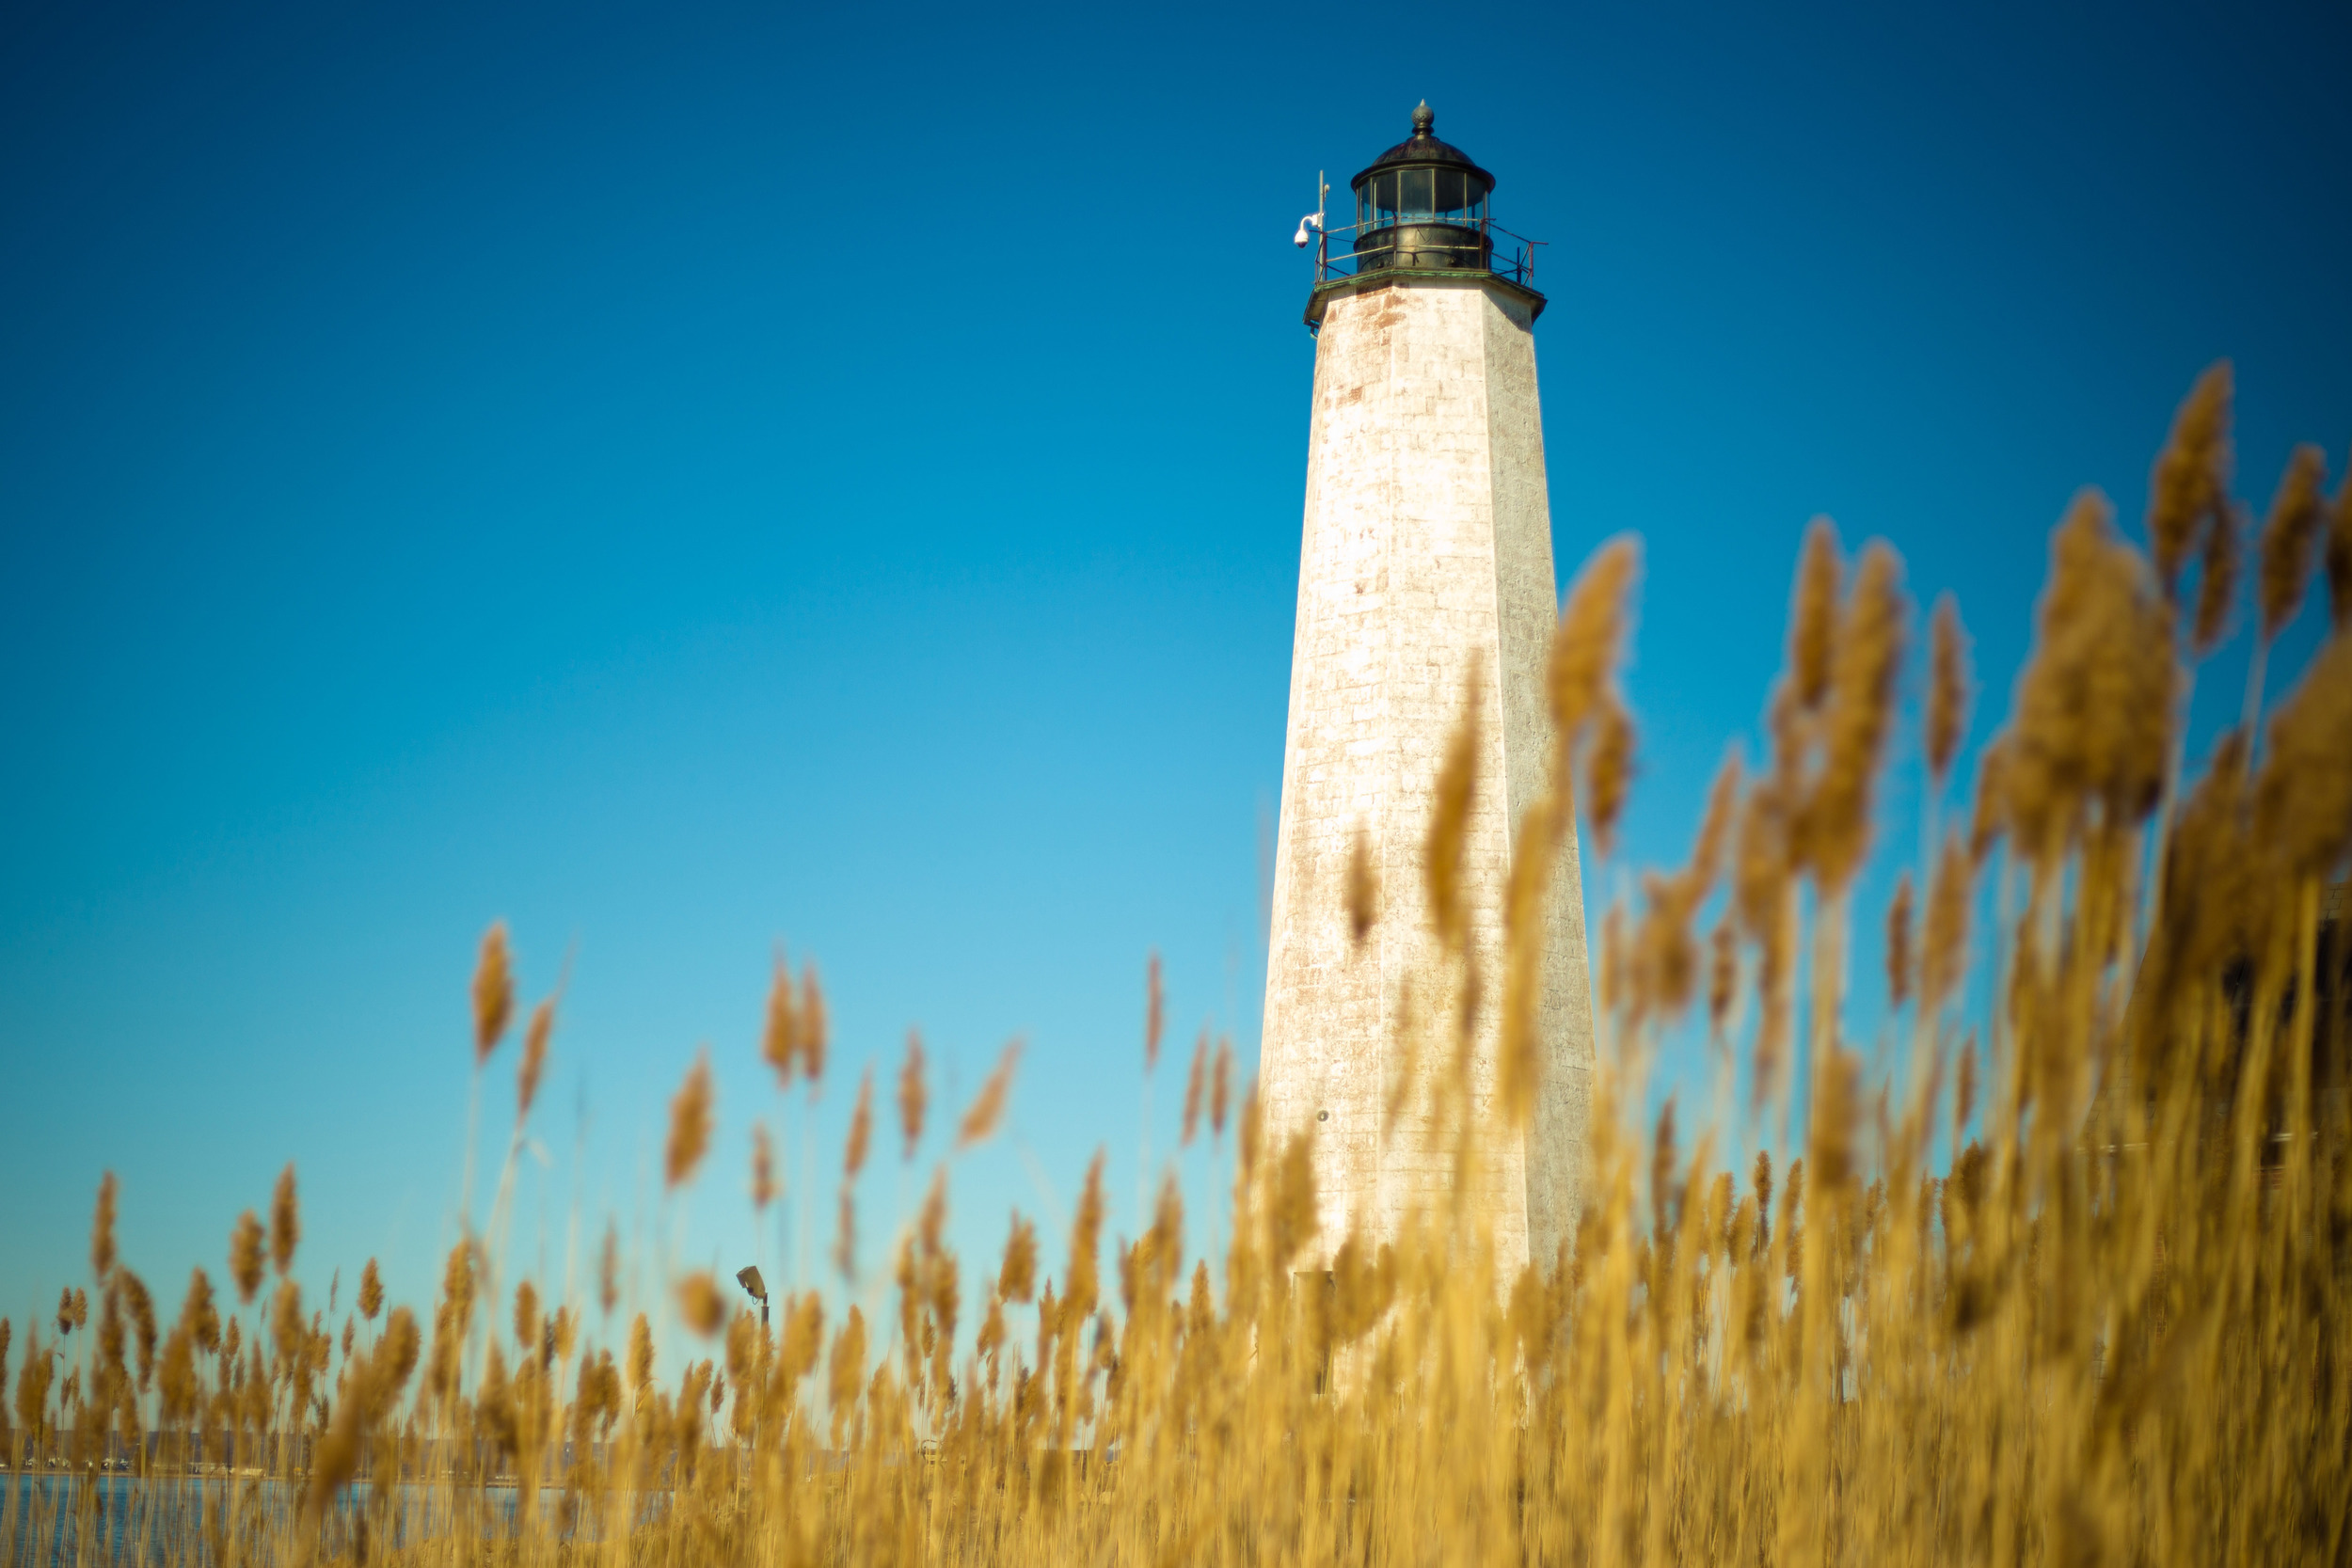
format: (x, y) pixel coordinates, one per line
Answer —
(1425, 564)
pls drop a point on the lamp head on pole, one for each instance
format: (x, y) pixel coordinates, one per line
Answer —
(756, 1288)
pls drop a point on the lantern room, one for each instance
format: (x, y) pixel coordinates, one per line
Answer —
(1423, 204)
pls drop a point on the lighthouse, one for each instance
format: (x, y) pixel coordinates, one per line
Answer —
(1425, 567)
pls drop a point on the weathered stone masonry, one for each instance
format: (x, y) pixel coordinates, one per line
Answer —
(1426, 556)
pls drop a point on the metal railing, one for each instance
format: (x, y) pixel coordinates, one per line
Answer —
(1516, 262)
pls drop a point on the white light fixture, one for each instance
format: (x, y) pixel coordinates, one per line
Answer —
(1312, 223)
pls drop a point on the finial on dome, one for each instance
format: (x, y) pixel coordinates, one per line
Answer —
(1423, 118)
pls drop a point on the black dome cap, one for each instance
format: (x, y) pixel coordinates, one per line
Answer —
(1423, 147)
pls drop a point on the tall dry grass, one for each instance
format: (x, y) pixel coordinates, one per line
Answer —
(2060, 1278)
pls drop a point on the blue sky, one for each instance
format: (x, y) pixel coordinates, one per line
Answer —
(691, 479)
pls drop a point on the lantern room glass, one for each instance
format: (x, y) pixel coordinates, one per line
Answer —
(1411, 195)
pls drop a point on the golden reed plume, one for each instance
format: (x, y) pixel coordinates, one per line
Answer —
(988, 1107)
(493, 993)
(689, 1124)
(913, 1095)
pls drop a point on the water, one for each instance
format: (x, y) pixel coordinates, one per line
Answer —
(127, 1519)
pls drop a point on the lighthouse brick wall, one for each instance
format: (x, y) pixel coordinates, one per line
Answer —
(1427, 559)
